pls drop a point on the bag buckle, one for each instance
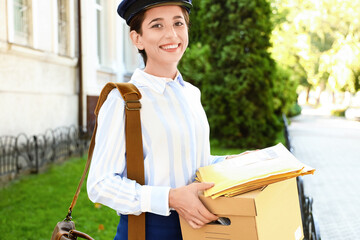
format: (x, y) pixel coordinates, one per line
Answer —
(133, 105)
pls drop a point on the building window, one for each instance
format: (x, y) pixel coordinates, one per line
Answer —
(132, 58)
(63, 27)
(99, 33)
(22, 17)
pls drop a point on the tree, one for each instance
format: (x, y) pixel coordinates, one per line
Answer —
(321, 39)
(228, 60)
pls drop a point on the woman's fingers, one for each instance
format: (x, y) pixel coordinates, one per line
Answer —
(202, 210)
(194, 225)
(196, 220)
(192, 214)
(205, 213)
(202, 186)
(186, 202)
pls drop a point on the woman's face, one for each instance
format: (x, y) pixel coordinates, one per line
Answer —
(164, 35)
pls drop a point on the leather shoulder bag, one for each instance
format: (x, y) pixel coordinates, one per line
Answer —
(65, 230)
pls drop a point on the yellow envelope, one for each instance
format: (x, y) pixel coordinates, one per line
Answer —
(251, 171)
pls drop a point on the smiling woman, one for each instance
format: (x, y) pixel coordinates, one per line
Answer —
(172, 26)
(175, 130)
(164, 39)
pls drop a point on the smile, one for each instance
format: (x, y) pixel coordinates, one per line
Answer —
(170, 46)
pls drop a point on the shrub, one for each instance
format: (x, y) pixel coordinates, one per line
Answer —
(228, 60)
(294, 110)
(284, 92)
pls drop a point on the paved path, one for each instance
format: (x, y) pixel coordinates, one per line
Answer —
(332, 146)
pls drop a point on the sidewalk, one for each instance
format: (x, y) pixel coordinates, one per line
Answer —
(332, 146)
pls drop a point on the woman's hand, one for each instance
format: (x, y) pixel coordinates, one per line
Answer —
(186, 202)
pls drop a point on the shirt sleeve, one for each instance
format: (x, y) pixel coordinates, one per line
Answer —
(107, 181)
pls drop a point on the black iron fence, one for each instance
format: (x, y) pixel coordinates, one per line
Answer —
(310, 225)
(31, 153)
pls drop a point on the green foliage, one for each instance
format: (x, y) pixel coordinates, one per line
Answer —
(228, 60)
(31, 207)
(218, 151)
(284, 90)
(294, 110)
(338, 112)
(319, 41)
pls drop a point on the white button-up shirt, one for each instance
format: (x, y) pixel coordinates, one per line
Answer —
(175, 134)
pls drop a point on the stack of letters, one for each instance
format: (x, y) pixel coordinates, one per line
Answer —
(251, 171)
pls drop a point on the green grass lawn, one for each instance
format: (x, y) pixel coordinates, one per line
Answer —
(31, 206)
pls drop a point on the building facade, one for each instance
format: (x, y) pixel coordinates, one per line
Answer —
(55, 56)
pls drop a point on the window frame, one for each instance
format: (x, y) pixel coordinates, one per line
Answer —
(63, 26)
(20, 37)
(99, 32)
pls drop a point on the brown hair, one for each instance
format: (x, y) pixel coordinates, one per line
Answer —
(138, 19)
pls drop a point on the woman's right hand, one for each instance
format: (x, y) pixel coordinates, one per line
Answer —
(185, 200)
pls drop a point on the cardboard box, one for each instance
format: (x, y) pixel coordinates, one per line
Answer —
(271, 213)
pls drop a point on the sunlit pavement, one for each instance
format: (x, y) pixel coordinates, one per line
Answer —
(332, 146)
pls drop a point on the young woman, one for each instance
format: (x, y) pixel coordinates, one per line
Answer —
(174, 126)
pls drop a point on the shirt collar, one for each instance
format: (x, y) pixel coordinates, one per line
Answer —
(157, 84)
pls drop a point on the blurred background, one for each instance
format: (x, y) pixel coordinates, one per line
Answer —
(269, 70)
(56, 56)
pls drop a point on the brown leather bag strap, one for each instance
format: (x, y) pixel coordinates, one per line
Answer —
(134, 149)
(74, 234)
(134, 157)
